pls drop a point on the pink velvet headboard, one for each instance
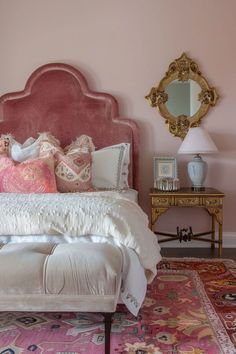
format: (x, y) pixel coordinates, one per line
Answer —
(57, 99)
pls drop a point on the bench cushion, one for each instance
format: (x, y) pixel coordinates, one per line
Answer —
(73, 277)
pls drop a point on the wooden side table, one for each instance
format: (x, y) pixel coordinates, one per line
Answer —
(210, 199)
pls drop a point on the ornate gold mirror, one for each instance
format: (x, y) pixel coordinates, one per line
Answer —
(183, 96)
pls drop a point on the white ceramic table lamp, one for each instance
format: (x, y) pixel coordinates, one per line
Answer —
(197, 141)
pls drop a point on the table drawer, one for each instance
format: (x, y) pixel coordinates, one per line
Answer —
(185, 201)
(161, 201)
(213, 202)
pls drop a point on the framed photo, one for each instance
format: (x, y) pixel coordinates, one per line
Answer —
(164, 167)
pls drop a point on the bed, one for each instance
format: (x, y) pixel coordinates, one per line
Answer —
(101, 241)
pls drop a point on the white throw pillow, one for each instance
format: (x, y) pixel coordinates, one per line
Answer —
(23, 152)
(30, 148)
(110, 167)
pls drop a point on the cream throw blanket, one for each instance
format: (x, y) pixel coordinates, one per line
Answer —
(77, 214)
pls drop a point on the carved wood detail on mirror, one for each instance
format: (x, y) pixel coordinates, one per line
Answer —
(183, 96)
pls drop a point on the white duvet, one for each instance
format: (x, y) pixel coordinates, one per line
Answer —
(108, 214)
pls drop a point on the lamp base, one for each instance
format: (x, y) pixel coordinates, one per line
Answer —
(198, 189)
(197, 169)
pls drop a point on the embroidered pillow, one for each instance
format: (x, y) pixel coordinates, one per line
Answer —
(48, 149)
(73, 165)
(110, 167)
(73, 171)
(5, 162)
(83, 143)
(32, 176)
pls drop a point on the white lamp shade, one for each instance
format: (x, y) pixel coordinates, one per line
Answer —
(197, 141)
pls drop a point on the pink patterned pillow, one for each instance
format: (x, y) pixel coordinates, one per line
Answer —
(83, 143)
(5, 143)
(73, 171)
(31, 176)
(48, 148)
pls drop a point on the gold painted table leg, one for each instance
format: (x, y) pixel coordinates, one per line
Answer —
(213, 231)
(220, 240)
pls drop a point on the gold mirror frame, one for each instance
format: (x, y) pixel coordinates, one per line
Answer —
(182, 69)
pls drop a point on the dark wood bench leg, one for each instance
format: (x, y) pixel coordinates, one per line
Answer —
(107, 322)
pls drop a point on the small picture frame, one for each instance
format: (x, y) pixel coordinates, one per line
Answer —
(164, 167)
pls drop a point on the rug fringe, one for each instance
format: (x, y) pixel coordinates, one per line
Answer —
(197, 259)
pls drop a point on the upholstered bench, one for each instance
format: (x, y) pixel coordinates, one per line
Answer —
(61, 277)
(67, 277)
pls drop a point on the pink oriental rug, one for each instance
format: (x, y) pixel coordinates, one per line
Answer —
(190, 308)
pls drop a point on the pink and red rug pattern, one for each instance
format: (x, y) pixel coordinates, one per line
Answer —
(190, 308)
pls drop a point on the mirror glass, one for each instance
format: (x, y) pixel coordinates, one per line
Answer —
(183, 97)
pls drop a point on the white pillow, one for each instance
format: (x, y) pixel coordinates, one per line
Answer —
(110, 167)
(23, 152)
(30, 148)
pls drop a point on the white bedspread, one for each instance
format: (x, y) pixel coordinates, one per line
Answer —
(107, 214)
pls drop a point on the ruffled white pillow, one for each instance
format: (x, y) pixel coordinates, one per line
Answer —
(26, 151)
(30, 148)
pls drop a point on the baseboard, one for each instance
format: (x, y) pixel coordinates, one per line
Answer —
(229, 241)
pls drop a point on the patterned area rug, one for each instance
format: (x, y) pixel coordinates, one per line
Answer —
(190, 308)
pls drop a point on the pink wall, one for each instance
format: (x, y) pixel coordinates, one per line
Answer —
(124, 47)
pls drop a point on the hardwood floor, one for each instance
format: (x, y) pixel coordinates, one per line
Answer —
(198, 252)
